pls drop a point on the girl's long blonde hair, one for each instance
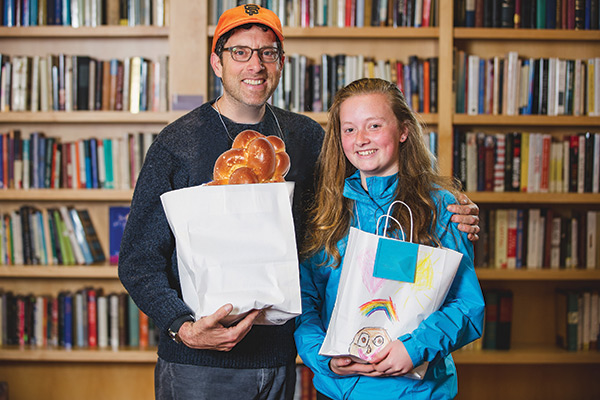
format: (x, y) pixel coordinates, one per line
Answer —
(331, 213)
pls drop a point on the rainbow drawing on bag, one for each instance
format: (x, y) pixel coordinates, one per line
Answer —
(387, 306)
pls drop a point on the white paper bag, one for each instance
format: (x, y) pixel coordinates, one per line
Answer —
(236, 244)
(371, 311)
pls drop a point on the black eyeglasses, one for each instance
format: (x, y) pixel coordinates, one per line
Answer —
(244, 53)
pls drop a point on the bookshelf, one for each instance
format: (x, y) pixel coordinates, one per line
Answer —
(533, 368)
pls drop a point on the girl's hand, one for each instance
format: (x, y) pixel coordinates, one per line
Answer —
(392, 360)
(345, 366)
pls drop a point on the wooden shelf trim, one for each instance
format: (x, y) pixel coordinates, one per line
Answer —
(496, 274)
(534, 198)
(321, 118)
(59, 272)
(526, 120)
(78, 355)
(89, 117)
(390, 33)
(78, 195)
(84, 32)
(526, 34)
(526, 355)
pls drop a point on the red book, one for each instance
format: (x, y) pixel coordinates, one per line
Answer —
(21, 320)
(92, 318)
(400, 74)
(426, 86)
(570, 14)
(545, 170)
(143, 330)
(350, 13)
(426, 13)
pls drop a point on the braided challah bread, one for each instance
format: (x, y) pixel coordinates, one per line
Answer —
(253, 158)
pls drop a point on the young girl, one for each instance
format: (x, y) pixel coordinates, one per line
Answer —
(372, 155)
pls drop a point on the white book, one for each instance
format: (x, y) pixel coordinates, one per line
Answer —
(581, 165)
(114, 321)
(512, 83)
(17, 237)
(80, 319)
(341, 13)
(532, 236)
(38, 321)
(125, 162)
(577, 95)
(102, 312)
(597, 87)
(471, 159)
(35, 84)
(472, 85)
(591, 240)
(497, 72)
(69, 83)
(552, 61)
(560, 87)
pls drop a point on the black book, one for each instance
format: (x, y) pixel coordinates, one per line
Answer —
(508, 162)
(525, 13)
(588, 172)
(496, 8)
(433, 84)
(83, 82)
(507, 14)
(535, 86)
(543, 102)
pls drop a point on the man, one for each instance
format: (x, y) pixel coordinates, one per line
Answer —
(202, 359)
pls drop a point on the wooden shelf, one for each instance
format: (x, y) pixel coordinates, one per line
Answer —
(526, 120)
(493, 274)
(526, 355)
(526, 34)
(511, 198)
(78, 195)
(321, 117)
(84, 32)
(354, 32)
(78, 355)
(90, 117)
(59, 272)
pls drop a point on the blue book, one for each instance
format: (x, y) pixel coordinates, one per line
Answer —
(66, 12)
(520, 238)
(94, 162)
(481, 99)
(80, 235)
(33, 15)
(2, 183)
(25, 12)
(68, 320)
(117, 217)
(88, 164)
(550, 14)
(9, 12)
(58, 17)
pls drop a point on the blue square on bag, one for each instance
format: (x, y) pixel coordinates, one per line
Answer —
(396, 260)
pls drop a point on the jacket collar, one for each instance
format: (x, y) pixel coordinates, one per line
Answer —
(379, 189)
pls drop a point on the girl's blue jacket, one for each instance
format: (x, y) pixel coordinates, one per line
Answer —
(458, 321)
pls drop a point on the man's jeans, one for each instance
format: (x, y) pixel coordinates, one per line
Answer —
(191, 382)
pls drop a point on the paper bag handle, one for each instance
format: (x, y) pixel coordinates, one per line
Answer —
(388, 217)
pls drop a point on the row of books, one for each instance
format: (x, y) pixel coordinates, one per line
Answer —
(342, 13)
(537, 238)
(61, 235)
(85, 318)
(60, 82)
(513, 85)
(310, 85)
(498, 319)
(528, 14)
(78, 13)
(527, 162)
(578, 320)
(45, 162)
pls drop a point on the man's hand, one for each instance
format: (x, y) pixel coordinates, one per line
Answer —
(466, 214)
(345, 366)
(392, 360)
(208, 332)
